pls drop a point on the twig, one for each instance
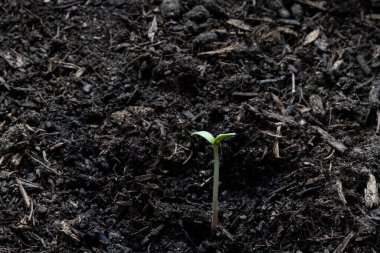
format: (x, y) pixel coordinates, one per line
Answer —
(44, 165)
(308, 191)
(293, 83)
(276, 146)
(244, 94)
(279, 105)
(271, 115)
(191, 154)
(343, 245)
(265, 81)
(30, 217)
(220, 51)
(378, 121)
(282, 188)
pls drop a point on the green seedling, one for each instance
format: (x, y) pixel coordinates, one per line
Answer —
(215, 141)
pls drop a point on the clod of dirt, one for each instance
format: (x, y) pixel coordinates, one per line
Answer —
(130, 115)
(375, 3)
(119, 3)
(276, 4)
(191, 26)
(12, 138)
(102, 163)
(198, 13)
(206, 247)
(32, 118)
(297, 11)
(170, 8)
(205, 38)
(95, 236)
(215, 9)
(284, 13)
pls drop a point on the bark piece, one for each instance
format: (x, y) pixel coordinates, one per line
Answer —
(374, 102)
(316, 105)
(330, 139)
(363, 64)
(373, 96)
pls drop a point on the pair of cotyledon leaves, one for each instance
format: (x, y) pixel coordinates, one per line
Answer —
(210, 138)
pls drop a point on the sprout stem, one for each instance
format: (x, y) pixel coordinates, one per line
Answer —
(215, 141)
(214, 223)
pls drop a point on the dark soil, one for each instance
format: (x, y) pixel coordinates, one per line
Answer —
(98, 100)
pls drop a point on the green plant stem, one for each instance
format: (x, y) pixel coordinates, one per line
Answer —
(214, 223)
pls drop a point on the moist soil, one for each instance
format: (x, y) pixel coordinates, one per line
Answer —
(99, 99)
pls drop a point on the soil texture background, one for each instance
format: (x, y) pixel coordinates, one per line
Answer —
(98, 100)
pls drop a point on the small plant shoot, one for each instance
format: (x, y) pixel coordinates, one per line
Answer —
(215, 141)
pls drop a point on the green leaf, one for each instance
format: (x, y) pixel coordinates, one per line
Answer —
(205, 135)
(221, 137)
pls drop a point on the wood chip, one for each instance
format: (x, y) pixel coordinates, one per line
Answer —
(57, 146)
(24, 195)
(154, 232)
(315, 4)
(69, 231)
(276, 146)
(152, 29)
(337, 64)
(279, 105)
(14, 60)
(339, 188)
(79, 72)
(311, 37)
(239, 24)
(371, 195)
(16, 159)
(373, 16)
(287, 30)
